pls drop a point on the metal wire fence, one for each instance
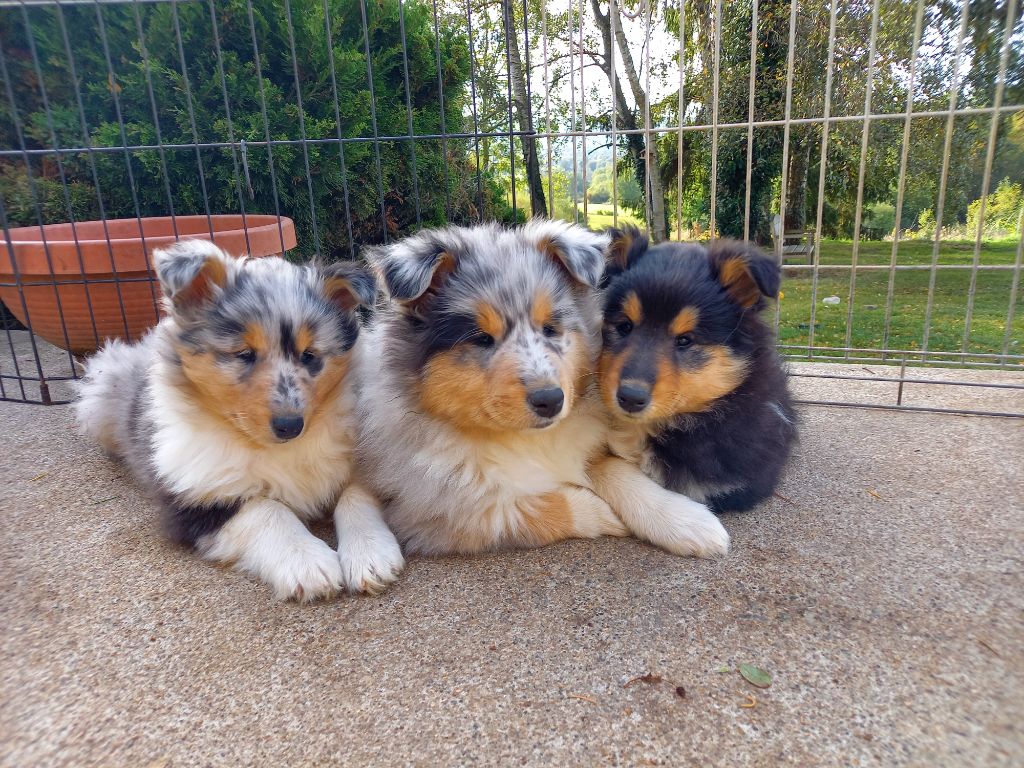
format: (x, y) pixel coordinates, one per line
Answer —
(865, 142)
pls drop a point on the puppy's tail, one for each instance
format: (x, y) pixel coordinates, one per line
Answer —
(111, 383)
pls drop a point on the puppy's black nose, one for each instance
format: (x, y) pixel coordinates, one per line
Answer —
(546, 402)
(287, 427)
(633, 398)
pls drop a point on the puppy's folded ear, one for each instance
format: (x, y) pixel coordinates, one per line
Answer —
(625, 247)
(413, 270)
(747, 273)
(348, 285)
(578, 250)
(191, 273)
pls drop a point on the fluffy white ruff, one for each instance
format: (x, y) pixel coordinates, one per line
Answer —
(109, 378)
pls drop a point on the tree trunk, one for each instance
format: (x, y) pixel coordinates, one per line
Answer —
(643, 150)
(524, 110)
(796, 185)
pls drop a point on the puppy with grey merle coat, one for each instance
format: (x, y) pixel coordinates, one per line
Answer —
(480, 425)
(236, 413)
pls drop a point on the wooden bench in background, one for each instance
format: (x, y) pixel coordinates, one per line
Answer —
(798, 246)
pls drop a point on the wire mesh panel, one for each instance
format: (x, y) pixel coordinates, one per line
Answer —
(875, 146)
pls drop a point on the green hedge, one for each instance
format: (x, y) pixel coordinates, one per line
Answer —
(179, 187)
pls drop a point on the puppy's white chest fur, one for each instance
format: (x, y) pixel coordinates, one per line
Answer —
(528, 463)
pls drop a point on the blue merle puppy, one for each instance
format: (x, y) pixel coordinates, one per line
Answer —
(236, 414)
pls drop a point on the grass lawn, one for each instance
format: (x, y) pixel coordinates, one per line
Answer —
(599, 216)
(910, 296)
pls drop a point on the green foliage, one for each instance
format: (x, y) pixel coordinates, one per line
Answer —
(879, 219)
(23, 197)
(561, 203)
(841, 178)
(629, 193)
(159, 102)
(1002, 211)
(925, 225)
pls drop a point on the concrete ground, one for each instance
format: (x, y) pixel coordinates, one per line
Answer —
(884, 594)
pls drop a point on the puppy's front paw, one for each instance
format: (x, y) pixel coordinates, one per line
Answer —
(693, 529)
(305, 571)
(369, 560)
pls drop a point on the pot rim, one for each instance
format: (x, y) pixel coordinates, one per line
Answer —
(263, 222)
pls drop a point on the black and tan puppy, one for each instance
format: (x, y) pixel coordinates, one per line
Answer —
(690, 370)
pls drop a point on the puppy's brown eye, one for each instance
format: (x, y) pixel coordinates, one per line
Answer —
(684, 341)
(624, 328)
(550, 330)
(484, 340)
(246, 356)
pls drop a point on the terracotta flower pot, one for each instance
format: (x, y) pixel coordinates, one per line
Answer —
(101, 286)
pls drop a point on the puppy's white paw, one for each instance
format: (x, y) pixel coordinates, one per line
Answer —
(306, 570)
(370, 560)
(265, 539)
(690, 528)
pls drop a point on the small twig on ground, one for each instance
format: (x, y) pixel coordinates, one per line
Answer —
(786, 499)
(650, 677)
(39, 477)
(985, 645)
(101, 501)
(750, 703)
(582, 697)
(874, 494)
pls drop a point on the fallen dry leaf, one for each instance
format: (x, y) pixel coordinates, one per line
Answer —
(680, 692)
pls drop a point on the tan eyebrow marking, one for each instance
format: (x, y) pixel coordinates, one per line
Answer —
(489, 320)
(633, 309)
(685, 321)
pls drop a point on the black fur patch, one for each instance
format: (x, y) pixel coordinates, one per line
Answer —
(187, 523)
